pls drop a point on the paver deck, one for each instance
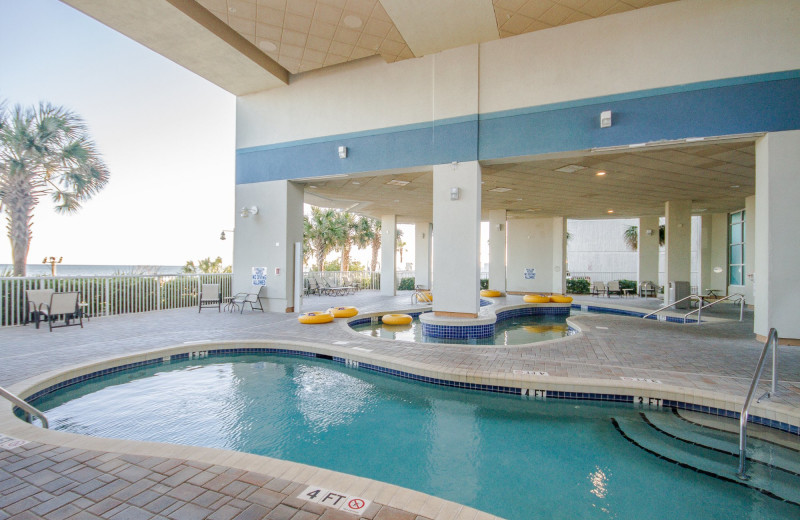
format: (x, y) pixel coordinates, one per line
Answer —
(70, 477)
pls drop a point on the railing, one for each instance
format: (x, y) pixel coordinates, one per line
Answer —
(772, 339)
(671, 304)
(700, 308)
(27, 408)
(110, 295)
(365, 279)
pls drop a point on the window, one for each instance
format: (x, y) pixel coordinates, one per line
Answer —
(736, 234)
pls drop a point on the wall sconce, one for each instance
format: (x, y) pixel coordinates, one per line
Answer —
(605, 119)
(499, 227)
(222, 235)
(717, 270)
(649, 232)
(455, 193)
(342, 152)
(247, 211)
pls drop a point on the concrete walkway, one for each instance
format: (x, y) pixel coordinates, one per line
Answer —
(62, 476)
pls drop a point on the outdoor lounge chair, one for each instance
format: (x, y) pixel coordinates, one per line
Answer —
(598, 288)
(613, 287)
(210, 296)
(251, 299)
(62, 305)
(35, 298)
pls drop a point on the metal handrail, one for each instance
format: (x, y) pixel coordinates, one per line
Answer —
(701, 307)
(671, 304)
(772, 338)
(29, 409)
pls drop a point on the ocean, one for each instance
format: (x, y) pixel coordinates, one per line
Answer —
(93, 270)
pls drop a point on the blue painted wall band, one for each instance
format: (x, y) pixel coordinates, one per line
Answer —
(765, 103)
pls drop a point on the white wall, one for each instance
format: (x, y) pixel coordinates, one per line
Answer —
(671, 44)
(532, 243)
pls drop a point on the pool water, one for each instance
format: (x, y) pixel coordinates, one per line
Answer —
(513, 331)
(509, 456)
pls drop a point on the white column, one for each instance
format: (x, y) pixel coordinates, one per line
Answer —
(705, 254)
(422, 254)
(559, 256)
(267, 239)
(388, 254)
(750, 226)
(497, 250)
(648, 249)
(457, 221)
(777, 235)
(678, 243)
(718, 261)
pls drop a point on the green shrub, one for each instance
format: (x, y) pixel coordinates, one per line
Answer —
(484, 283)
(406, 284)
(628, 284)
(578, 286)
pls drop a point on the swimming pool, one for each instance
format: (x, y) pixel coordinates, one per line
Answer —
(511, 457)
(518, 330)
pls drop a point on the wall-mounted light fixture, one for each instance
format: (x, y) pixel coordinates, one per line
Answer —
(455, 193)
(498, 227)
(222, 235)
(247, 211)
(342, 152)
(605, 119)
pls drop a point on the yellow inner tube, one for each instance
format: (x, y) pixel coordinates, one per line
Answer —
(536, 298)
(490, 293)
(315, 317)
(396, 319)
(558, 298)
(343, 312)
(424, 296)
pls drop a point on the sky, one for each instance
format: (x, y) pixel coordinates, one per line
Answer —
(166, 135)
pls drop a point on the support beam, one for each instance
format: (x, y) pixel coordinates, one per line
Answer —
(648, 249)
(497, 250)
(422, 254)
(777, 234)
(457, 220)
(388, 255)
(678, 243)
(559, 256)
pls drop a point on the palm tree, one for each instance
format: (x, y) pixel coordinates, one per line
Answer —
(376, 243)
(324, 233)
(400, 243)
(631, 237)
(364, 233)
(43, 151)
(348, 223)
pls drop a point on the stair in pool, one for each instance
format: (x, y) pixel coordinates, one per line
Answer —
(774, 469)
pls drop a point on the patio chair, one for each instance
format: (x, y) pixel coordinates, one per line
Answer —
(35, 298)
(210, 296)
(613, 287)
(62, 305)
(251, 299)
(598, 288)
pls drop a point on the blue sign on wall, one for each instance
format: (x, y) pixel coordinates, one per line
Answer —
(259, 276)
(530, 273)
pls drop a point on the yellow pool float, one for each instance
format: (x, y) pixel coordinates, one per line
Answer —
(315, 317)
(343, 312)
(560, 298)
(424, 296)
(490, 293)
(396, 319)
(535, 298)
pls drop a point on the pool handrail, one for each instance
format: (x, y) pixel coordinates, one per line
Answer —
(670, 305)
(699, 309)
(27, 408)
(772, 338)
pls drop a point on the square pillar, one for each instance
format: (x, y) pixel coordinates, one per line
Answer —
(678, 243)
(497, 250)
(718, 253)
(267, 239)
(776, 291)
(648, 249)
(457, 220)
(388, 255)
(559, 281)
(422, 254)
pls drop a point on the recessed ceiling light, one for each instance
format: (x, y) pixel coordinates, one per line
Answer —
(519, 199)
(610, 211)
(396, 182)
(500, 190)
(268, 46)
(600, 173)
(352, 21)
(232, 9)
(356, 182)
(701, 209)
(734, 186)
(571, 168)
(396, 200)
(312, 186)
